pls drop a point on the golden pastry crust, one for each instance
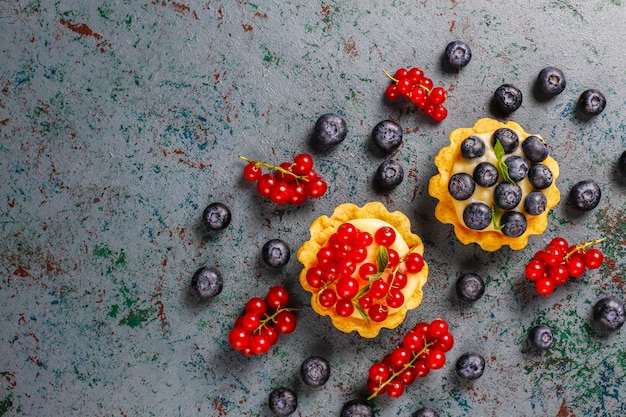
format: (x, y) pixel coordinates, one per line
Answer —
(321, 230)
(489, 240)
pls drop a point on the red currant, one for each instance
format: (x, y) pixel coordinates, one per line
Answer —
(264, 185)
(413, 341)
(316, 187)
(576, 266)
(385, 236)
(560, 243)
(553, 255)
(414, 263)
(395, 388)
(347, 233)
(392, 92)
(400, 357)
(280, 192)
(298, 194)
(252, 172)
(379, 372)
(559, 274)
(327, 297)
(377, 313)
(367, 269)
(534, 270)
(251, 321)
(270, 334)
(256, 305)
(427, 83)
(359, 254)
(408, 376)
(437, 328)
(400, 73)
(435, 359)
(395, 298)
(399, 280)
(379, 288)
(277, 297)
(392, 258)
(347, 288)
(344, 308)
(544, 286)
(259, 344)
(404, 86)
(239, 338)
(366, 301)
(364, 239)
(415, 75)
(440, 113)
(593, 258)
(444, 343)
(302, 164)
(438, 95)
(285, 174)
(285, 322)
(421, 369)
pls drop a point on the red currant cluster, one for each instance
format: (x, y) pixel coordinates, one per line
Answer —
(554, 265)
(348, 283)
(289, 182)
(413, 85)
(422, 350)
(263, 320)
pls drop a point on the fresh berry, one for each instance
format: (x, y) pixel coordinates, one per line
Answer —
(470, 287)
(389, 174)
(541, 337)
(417, 88)
(206, 283)
(477, 215)
(535, 203)
(472, 147)
(485, 174)
(551, 82)
(609, 313)
(507, 98)
(315, 371)
(585, 195)
(216, 216)
(540, 176)
(591, 102)
(470, 365)
(425, 412)
(283, 402)
(513, 223)
(508, 138)
(621, 163)
(276, 253)
(461, 186)
(535, 149)
(357, 408)
(387, 136)
(330, 130)
(507, 196)
(458, 54)
(277, 297)
(517, 167)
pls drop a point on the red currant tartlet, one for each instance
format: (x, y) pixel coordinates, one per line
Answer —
(364, 268)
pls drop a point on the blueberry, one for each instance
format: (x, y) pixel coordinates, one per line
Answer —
(206, 283)
(535, 149)
(540, 176)
(477, 215)
(540, 337)
(470, 365)
(461, 186)
(513, 223)
(585, 195)
(472, 147)
(330, 130)
(276, 253)
(507, 196)
(485, 174)
(535, 203)
(357, 408)
(507, 98)
(389, 174)
(470, 287)
(283, 401)
(216, 216)
(517, 167)
(609, 313)
(551, 81)
(387, 135)
(621, 163)
(425, 412)
(591, 102)
(315, 371)
(458, 54)
(507, 137)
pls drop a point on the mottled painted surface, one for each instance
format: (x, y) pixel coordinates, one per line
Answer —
(120, 121)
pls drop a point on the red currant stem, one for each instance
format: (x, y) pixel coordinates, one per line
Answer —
(390, 76)
(268, 318)
(275, 168)
(405, 367)
(582, 246)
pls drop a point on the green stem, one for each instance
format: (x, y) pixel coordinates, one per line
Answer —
(275, 168)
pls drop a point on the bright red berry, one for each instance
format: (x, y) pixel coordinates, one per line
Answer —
(544, 286)
(438, 95)
(285, 322)
(277, 297)
(385, 236)
(252, 172)
(593, 258)
(534, 270)
(302, 164)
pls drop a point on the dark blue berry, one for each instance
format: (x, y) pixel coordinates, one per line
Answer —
(276, 253)
(461, 186)
(585, 195)
(470, 365)
(206, 283)
(216, 216)
(517, 167)
(608, 313)
(315, 371)
(513, 223)
(330, 130)
(507, 98)
(621, 163)
(535, 203)
(477, 215)
(458, 54)
(541, 337)
(387, 135)
(507, 137)
(425, 412)
(535, 149)
(283, 401)
(507, 196)
(591, 102)
(485, 174)
(551, 81)
(540, 176)
(470, 287)
(357, 408)
(472, 147)
(389, 174)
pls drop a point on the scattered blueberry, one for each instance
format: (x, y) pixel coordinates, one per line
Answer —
(389, 174)
(357, 408)
(507, 98)
(470, 287)
(216, 216)
(621, 163)
(477, 215)
(591, 102)
(540, 176)
(425, 412)
(472, 147)
(609, 313)
(508, 139)
(513, 223)
(540, 337)
(283, 401)
(485, 174)
(206, 283)
(517, 167)
(315, 371)
(551, 81)
(330, 130)
(535, 149)
(458, 54)
(585, 195)
(387, 135)
(535, 203)
(507, 196)
(470, 365)
(461, 186)
(276, 253)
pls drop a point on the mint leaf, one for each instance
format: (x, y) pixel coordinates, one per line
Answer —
(502, 168)
(362, 312)
(495, 216)
(382, 260)
(498, 149)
